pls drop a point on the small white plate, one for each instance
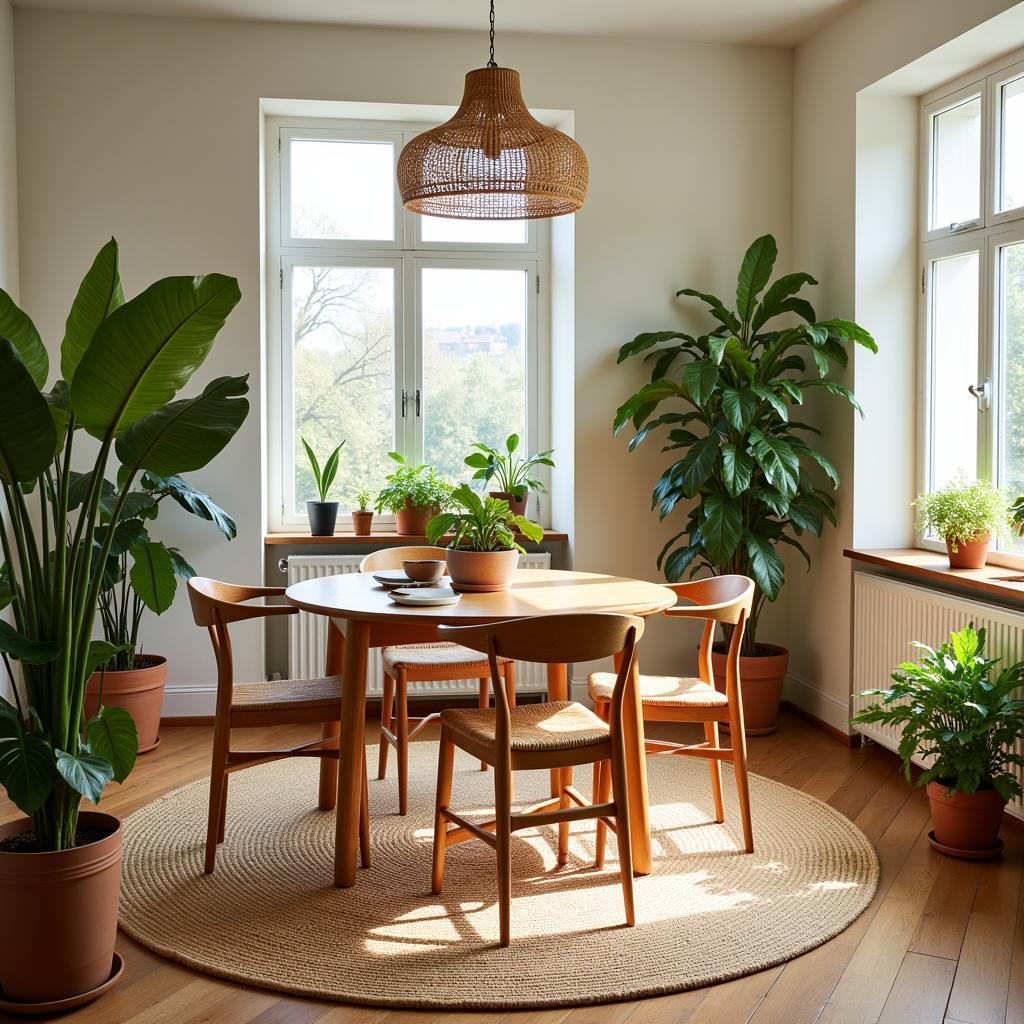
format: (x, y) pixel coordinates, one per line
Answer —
(425, 596)
(391, 578)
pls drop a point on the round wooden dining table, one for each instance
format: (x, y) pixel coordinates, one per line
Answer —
(363, 616)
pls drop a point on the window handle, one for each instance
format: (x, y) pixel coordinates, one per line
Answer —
(405, 402)
(964, 225)
(980, 392)
(418, 403)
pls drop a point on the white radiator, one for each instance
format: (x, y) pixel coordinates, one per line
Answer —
(889, 614)
(307, 638)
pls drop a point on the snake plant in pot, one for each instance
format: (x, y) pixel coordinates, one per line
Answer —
(121, 365)
(745, 474)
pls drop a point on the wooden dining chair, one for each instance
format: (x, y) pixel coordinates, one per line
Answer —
(279, 702)
(421, 663)
(559, 734)
(720, 599)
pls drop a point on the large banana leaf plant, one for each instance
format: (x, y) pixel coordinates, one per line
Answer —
(122, 363)
(727, 399)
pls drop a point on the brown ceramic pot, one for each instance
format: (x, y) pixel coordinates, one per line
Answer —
(969, 554)
(412, 521)
(966, 821)
(140, 691)
(362, 522)
(761, 680)
(481, 571)
(517, 506)
(60, 914)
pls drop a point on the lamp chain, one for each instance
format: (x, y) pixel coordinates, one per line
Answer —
(491, 63)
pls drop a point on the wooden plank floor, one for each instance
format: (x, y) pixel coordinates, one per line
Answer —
(942, 942)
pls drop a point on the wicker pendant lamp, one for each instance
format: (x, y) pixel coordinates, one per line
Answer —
(493, 160)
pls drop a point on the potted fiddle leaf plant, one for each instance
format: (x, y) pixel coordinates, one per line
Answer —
(141, 575)
(323, 514)
(362, 517)
(515, 477)
(412, 494)
(960, 714)
(968, 515)
(483, 551)
(745, 475)
(121, 365)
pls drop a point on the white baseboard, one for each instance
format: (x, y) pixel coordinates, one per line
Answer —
(825, 706)
(184, 700)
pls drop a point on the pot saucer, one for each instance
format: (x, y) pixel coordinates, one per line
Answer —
(480, 588)
(59, 1005)
(151, 747)
(952, 851)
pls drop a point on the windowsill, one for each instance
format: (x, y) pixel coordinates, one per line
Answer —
(381, 538)
(998, 581)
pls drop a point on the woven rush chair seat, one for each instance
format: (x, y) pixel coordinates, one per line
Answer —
(439, 655)
(662, 691)
(559, 725)
(286, 693)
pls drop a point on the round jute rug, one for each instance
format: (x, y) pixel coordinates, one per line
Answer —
(269, 915)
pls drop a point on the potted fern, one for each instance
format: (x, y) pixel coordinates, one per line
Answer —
(121, 364)
(483, 551)
(412, 494)
(967, 515)
(362, 517)
(323, 514)
(961, 716)
(515, 477)
(745, 476)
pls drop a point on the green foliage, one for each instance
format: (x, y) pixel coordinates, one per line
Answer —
(484, 524)
(512, 476)
(66, 537)
(363, 499)
(323, 477)
(409, 486)
(952, 706)
(744, 474)
(962, 510)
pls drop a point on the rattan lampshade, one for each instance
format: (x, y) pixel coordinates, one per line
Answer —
(493, 160)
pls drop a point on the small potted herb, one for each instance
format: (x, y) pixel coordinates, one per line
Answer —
(956, 712)
(483, 552)
(412, 494)
(513, 476)
(323, 514)
(362, 517)
(967, 515)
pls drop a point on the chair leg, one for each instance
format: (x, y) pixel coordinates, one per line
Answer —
(386, 704)
(401, 694)
(484, 703)
(601, 710)
(329, 769)
(218, 792)
(602, 793)
(445, 765)
(364, 820)
(503, 835)
(620, 793)
(564, 803)
(715, 766)
(223, 810)
(739, 763)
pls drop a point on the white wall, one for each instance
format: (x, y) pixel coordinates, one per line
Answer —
(148, 129)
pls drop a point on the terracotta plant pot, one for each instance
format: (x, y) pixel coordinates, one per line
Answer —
(970, 554)
(516, 505)
(411, 521)
(481, 571)
(761, 680)
(362, 523)
(967, 822)
(140, 691)
(60, 914)
(323, 515)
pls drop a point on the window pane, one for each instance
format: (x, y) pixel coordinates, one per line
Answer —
(953, 320)
(486, 232)
(1010, 389)
(344, 376)
(1011, 148)
(342, 189)
(956, 164)
(474, 362)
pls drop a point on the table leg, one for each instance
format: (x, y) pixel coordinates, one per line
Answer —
(636, 773)
(352, 755)
(328, 770)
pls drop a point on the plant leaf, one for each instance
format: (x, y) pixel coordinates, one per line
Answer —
(739, 406)
(98, 296)
(721, 528)
(112, 736)
(26, 763)
(152, 576)
(737, 469)
(199, 503)
(718, 310)
(699, 379)
(850, 331)
(22, 648)
(16, 326)
(755, 271)
(769, 572)
(87, 774)
(28, 436)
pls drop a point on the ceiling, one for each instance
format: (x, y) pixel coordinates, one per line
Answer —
(774, 22)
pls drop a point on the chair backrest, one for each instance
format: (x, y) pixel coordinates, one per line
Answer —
(392, 558)
(553, 639)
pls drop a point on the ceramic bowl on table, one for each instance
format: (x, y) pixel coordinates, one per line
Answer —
(424, 570)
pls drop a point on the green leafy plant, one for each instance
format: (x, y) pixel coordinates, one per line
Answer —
(410, 486)
(122, 363)
(953, 707)
(962, 510)
(726, 399)
(141, 573)
(484, 524)
(512, 476)
(325, 477)
(363, 499)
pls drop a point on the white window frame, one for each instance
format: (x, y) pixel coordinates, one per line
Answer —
(408, 254)
(993, 230)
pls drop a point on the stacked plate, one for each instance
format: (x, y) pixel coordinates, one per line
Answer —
(424, 596)
(389, 579)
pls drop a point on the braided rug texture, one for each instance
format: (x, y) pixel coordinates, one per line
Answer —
(270, 917)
